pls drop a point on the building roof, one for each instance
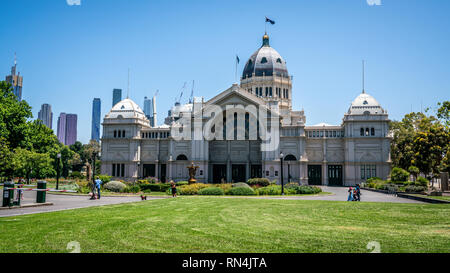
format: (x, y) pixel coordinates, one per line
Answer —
(365, 104)
(126, 109)
(265, 61)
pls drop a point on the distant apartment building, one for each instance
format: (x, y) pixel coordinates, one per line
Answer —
(148, 108)
(67, 128)
(96, 112)
(16, 81)
(46, 115)
(117, 96)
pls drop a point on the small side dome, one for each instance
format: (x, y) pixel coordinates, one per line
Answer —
(126, 109)
(365, 104)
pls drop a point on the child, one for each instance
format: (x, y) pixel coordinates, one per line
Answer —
(350, 194)
(174, 189)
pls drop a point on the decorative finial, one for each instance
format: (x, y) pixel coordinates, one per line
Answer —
(266, 40)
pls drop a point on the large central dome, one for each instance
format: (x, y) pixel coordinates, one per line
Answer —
(265, 61)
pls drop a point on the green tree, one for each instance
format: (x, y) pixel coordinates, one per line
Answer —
(13, 116)
(32, 165)
(414, 171)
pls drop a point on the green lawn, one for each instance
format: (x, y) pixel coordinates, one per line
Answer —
(216, 224)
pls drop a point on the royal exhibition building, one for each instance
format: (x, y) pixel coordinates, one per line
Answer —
(249, 130)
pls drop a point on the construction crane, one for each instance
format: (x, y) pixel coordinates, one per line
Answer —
(177, 102)
(191, 99)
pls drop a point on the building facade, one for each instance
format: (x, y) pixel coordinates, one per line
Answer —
(46, 115)
(117, 96)
(67, 128)
(249, 130)
(16, 81)
(96, 118)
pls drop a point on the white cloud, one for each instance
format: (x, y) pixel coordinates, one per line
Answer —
(78, 2)
(374, 2)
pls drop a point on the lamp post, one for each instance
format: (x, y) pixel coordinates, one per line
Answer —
(281, 173)
(57, 170)
(93, 174)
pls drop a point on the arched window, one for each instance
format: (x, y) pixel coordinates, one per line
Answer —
(119, 134)
(263, 60)
(372, 131)
(290, 158)
(367, 131)
(123, 133)
(235, 122)
(182, 157)
(115, 133)
(247, 125)
(362, 132)
(279, 60)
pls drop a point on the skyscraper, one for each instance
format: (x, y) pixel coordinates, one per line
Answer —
(67, 128)
(71, 129)
(46, 115)
(117, 96)
(15, 80)
(148, 108)
(61, 130)
(96, 111)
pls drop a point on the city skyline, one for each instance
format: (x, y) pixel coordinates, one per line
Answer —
(67, 128)
(406, 57)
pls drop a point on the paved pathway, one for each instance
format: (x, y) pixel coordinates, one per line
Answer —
(341, 194)
(64, 202)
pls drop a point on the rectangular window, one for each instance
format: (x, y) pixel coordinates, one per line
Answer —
(334, 133)
(113, 169)
(123, 170)
(321, 133)
(372, 132)
(363, 173)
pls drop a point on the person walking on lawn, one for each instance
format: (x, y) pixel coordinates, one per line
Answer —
(174, 189)
(98, 185)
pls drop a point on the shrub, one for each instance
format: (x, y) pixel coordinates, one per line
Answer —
(307, 189)
(224, 187)
(153, 180)
(398, 174)
(77, 175)
(241, 191)
(159, 187)
(131, 189)
(415, 189)
(70, 187)
(105, 178)
(115, 186)
(269, 190)
(291, 185)
(191, 189)
(240, 184)
(182, 183)
(422, 181)
(211, 191)
(262, 182)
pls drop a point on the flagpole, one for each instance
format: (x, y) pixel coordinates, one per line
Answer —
(235, 73)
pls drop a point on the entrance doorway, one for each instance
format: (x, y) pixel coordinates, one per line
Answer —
(315, 174)
(149, 170)
(219, 173)
(238, 173)
(163, 173)
(335, 175)
(256, 171)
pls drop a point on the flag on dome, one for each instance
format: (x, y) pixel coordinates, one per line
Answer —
(270, 21)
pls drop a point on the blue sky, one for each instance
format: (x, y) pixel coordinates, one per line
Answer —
(70, 54)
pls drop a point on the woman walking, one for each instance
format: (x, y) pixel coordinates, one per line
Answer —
(350, 194)
(174, 189)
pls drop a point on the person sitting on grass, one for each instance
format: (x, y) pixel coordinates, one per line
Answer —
(174, 189)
